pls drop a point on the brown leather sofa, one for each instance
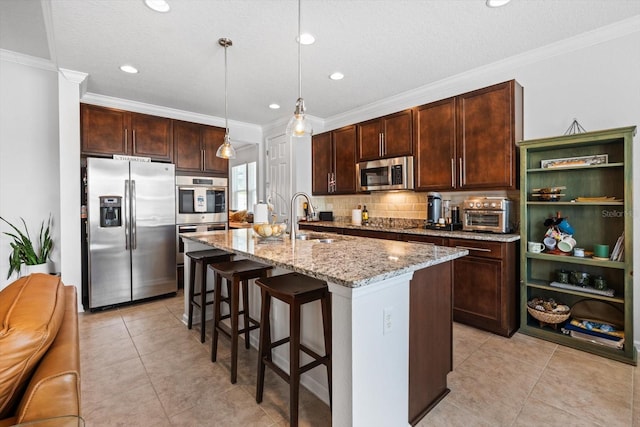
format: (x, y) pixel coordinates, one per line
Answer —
(39, 353)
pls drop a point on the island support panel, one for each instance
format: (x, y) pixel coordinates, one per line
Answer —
(430, 338)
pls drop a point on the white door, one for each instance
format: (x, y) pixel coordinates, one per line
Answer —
(278, 185)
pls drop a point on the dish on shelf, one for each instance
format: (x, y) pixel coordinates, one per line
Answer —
(548, 194)
(548, 197)
(549, 190)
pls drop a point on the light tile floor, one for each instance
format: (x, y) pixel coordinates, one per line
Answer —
(141, 366)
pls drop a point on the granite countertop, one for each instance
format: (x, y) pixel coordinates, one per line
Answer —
(491, 237)
(349, 260)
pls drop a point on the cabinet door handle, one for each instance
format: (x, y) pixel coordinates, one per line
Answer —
(460, 171)
(380, 144)
(453, 173)
(203, 153)
(126, 140)
(469, 248)
(134, 142)
(384, 145)
(421, 243)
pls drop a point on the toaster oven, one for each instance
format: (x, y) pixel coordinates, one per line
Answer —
(488, 214)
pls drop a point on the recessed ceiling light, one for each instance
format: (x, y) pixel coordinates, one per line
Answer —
(158, 5)
(274, 106)
(306, 38)
(337, 76)
(497, 3)
(129, 69)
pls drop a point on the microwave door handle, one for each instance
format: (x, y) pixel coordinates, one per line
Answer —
(126, 214)
(134, 239)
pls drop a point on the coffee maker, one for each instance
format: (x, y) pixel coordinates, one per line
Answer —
(439, 220)
(434, 207)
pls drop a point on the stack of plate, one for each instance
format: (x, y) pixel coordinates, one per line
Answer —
(548, 194)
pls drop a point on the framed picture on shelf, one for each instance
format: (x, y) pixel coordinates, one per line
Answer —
(571, 162)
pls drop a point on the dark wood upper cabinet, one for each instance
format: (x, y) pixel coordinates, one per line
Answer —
(103, 130)
(489, 122)
(195, 148)
(109, 131)
(468, 142)
(151, 136)
(333, 160)
(187, 146)
(321, 163)
(386, 137)
(212, 138)
(344, 149)
(435, 148)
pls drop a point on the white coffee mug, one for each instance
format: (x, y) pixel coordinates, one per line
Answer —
(535, 247)
(550, 243)
(567, 244)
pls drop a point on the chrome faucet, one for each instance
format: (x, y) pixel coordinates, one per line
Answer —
(292, 212)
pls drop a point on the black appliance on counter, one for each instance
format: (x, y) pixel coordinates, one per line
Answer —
(436, 219)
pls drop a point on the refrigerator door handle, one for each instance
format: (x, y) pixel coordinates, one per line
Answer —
(127, 219)
(134, 240)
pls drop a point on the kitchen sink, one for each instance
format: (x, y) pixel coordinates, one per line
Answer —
(316, 237)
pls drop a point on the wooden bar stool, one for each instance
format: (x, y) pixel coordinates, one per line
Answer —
(235, 272)
(294, 289)
(203, 259)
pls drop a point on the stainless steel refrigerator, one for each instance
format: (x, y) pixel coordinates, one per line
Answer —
(131, 230)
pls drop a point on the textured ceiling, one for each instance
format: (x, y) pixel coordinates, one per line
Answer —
(384, 47)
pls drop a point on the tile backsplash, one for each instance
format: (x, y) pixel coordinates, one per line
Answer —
(396, 207)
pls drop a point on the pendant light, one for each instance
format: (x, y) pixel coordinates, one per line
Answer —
(226, 150)
(299, 125)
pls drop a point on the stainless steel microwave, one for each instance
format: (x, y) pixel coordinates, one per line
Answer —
(386, 174)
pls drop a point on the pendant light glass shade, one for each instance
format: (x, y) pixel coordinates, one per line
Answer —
(226, 150)
(299, 125)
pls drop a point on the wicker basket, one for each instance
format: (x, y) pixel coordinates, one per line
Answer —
(548, 317)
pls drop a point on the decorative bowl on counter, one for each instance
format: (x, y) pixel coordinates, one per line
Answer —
(266, 230)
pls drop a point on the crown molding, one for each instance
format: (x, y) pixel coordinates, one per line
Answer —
(77, 77)
(459, 83)
(28, 60)
(240, 132)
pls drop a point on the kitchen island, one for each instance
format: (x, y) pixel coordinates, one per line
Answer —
(391, 312)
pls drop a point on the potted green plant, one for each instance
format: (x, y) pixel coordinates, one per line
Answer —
(23, 250)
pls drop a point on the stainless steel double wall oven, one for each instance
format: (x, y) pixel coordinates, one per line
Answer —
(201, 205)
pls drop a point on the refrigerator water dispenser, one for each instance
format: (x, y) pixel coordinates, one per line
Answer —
(110, 211)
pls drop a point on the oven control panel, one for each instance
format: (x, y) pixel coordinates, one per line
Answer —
(487, 203)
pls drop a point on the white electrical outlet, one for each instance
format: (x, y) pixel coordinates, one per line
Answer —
(387, 320)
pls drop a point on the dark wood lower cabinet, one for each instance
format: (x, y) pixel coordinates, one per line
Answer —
(430, 338)
(486, 286)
